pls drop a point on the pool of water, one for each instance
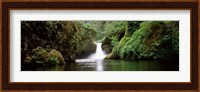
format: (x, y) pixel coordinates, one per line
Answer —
(112, 65)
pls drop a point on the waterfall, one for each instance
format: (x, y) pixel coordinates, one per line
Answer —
(99, 54)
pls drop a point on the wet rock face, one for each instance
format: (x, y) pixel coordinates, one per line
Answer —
(84, 50)
(106, 45)
(49, 34)
(86, 44)
(106, 48)
(70, 39)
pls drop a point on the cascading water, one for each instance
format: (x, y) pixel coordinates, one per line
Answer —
(99, 54)
(95, 59)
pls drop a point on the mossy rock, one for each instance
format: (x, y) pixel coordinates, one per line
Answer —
(55, 57)
(106, 45)
(106, 48)
(40, 56)
(28, 60)
(112, 56)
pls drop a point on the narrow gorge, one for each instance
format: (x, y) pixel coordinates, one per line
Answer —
(99, 45)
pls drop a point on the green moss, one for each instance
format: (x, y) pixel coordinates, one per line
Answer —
(58, 42)
(40, 56)
(55, 57)
(28, 60)
(86, 40)
(70, 38)
(152, 40)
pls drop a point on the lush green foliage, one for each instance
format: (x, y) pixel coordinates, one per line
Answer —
(97, 27)
(114, 27)
(153, 40)
(113, 33)
(57, 42)
(49, 34)
(68, 38)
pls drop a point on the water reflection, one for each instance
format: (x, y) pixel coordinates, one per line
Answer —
(99, 65)
(111, 65)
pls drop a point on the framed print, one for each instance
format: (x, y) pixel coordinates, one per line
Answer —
(99, 45)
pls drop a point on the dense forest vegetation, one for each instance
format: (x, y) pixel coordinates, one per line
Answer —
(60, 42)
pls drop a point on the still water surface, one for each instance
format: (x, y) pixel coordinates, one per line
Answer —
(112, 65)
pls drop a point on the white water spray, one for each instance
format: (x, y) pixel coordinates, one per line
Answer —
(99, 54)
